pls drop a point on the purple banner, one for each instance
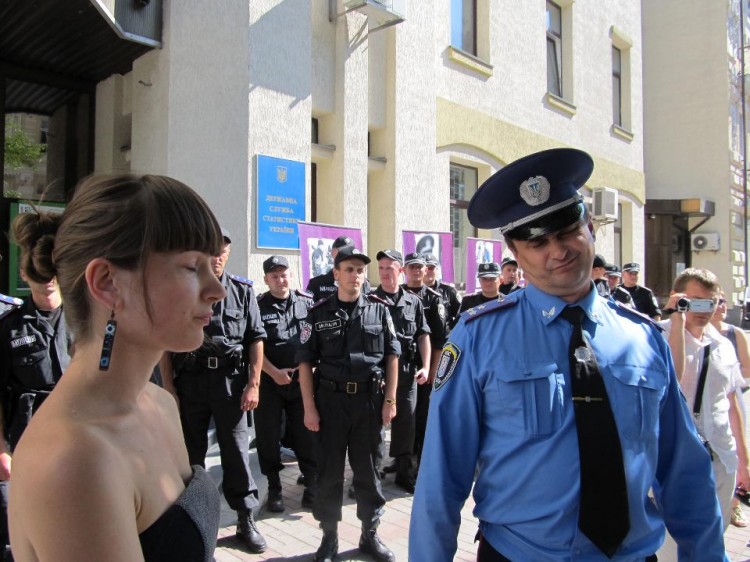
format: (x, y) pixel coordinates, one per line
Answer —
(438, 243)
(480, 250)
(315, 247)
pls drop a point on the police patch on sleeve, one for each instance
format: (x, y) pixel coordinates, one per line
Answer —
(391, 327)
(447, 364)
(305, 331)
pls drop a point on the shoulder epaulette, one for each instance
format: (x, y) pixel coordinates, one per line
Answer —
(317, 303)
(451, 285)
(633, 312)
(433, 291)
(302, 293)
(375, 298)
(9, 304)
(242, 280)
(492, 306)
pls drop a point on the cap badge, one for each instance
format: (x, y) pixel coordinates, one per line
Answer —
(535, 191)
(355, 251)
(275, 260)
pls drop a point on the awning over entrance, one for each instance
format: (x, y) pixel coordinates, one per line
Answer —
(53, 50)
(694, 207)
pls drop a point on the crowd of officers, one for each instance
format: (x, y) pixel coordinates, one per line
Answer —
(324, 370)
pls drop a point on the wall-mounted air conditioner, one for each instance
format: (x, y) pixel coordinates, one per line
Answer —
(604, 204)
(705, 241)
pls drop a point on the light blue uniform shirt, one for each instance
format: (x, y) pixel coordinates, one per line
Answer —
(502, 404)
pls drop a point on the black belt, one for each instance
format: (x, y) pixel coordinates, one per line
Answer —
(216, 362)
(349, 387)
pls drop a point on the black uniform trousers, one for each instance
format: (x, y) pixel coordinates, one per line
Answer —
(217, 393)
(276, 399)
(422, 410)
(353, 422)
(403, 426)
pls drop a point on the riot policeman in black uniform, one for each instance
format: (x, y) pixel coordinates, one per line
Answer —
(448, 293)
(35, 350)
(413, 335)
(323, 286)
(220, 380)
(489, 282)
(437, 320)
(282, 310)
(643, 297)
(614, 276)
(509, 274)
(351, 341)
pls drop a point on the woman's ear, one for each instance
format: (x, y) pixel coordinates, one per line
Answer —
(100, 279)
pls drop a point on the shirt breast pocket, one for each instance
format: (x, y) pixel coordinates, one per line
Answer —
(373, 338)
(32, 368)
(331, 343)
(635, 399)
(410, 326)
(234, 322)
(528, 401)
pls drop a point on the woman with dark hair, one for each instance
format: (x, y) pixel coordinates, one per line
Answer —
(35, 346)
(101, 472)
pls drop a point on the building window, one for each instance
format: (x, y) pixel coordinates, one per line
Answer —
(463, 184)
(554, 49)
(464, 25)
(617, 86)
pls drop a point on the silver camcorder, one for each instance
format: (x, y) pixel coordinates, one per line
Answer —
(696, 305)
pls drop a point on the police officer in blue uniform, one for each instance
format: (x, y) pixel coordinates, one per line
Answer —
(282, 311)
(448, 293)
(413, 334)
(489, 283)
(351, 341)
(220, 380)
(323, 286)
(35, 350)
(506, 374)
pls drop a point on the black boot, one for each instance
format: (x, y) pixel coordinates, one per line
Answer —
(274, 501)
(248, 532)
(390, 469)
(405, 478)
(370, 543)
(329, 547)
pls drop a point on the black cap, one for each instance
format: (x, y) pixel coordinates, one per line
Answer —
(394, 255)
(431, 259)
(274, 261)
(533, 196)
(599, 261)
(414, 257)
(225, 234)
(632, 267)
(490, 269)
(342, 241)
(508, 260)
(349, 253)
(612, 269)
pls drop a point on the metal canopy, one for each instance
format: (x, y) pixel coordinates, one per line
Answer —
(53, 50)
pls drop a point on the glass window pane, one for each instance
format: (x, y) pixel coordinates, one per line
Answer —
(553, 69)
(463, 25)
(554, 19)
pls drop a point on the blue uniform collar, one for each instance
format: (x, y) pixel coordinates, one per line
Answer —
(550, 306)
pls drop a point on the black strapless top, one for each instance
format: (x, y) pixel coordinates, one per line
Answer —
(187, 531)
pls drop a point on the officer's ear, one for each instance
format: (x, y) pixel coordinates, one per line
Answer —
(102, 284)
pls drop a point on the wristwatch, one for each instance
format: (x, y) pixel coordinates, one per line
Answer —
(391, 401)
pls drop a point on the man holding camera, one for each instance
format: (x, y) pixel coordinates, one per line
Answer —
(707, 369)
(282, 311)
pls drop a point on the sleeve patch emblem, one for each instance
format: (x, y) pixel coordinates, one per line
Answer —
(447, 364)
(305, 331)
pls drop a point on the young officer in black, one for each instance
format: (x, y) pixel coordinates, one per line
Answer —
(220, 380)
(413, 335)
(448, 293)
(509, 273)
(282, 310)
(437, 320)
(351, 341)
(489, 282)
(643, 297)
(35, 349)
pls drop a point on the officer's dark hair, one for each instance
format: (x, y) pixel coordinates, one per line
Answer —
(584, 219)
(122, 219)
(35, 235)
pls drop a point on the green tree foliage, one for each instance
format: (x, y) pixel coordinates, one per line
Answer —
(20, 152)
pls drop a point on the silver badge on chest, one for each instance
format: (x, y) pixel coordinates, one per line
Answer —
(583, 354)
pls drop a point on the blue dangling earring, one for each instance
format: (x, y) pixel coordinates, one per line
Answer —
(109, 341)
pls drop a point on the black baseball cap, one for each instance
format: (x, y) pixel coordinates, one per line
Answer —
(508, 260)
(632, 267)
(613, 270)
(342, 241)
(431, 259)
(274, 261)
(394, 255)
(350, 253)
(599, 261)
(225, 234)
(414, 257)
(489, 269)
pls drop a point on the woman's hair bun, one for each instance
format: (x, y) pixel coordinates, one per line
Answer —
(35, 235)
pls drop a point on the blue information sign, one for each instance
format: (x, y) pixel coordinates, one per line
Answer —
(281, 202)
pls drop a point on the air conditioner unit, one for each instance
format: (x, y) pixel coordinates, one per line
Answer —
(705, 241)
(604, 204)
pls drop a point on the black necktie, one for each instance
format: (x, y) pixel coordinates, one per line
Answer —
(604, 515)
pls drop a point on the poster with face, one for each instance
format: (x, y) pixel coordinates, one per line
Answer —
(438, 243)
(316, 247)
(479, 250)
